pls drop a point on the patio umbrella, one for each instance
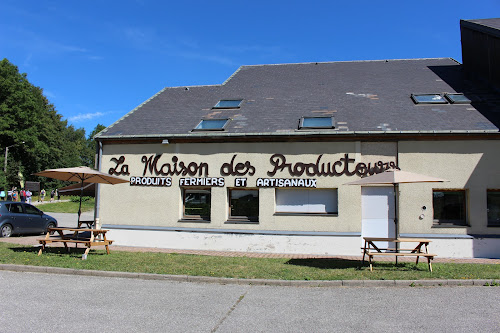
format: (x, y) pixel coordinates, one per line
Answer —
(81, 174)
(395, 177)
(75, 189)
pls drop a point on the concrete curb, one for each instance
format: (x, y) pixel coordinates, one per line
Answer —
(257, 282)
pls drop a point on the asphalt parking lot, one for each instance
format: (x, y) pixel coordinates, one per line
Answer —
(65, 303)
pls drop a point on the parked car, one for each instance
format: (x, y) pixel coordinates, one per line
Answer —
(23, 218)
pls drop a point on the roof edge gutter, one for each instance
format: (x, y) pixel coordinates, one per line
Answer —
(296, 133)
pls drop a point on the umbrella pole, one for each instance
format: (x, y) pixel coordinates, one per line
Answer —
(80, 206)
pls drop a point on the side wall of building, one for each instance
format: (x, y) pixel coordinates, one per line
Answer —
(468, 165)
(133, 210)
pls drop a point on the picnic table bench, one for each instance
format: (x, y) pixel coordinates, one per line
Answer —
(88, 223)
(87, 237)
(370, 249)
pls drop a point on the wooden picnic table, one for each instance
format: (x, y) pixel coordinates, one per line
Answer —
(84, 236)
(370, 249)
(88, 223)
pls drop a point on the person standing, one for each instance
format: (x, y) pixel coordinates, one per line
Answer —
(58, 196)
(28, 196)
(42, 195)
(14, 194)
(9, 195)
(22, 194)
(52, 195)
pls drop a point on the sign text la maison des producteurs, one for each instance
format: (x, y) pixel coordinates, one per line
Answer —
(157, 173)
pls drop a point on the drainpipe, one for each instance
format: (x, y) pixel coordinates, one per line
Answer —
(397, 153)
(396, 202)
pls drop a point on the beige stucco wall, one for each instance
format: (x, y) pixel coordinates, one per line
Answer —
(468, 164)
(162, 206)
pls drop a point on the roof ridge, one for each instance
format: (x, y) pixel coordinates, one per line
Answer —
(343, 61)
(194, 86)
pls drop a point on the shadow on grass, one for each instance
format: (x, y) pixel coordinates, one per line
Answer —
(61, 251)
(326, 263)
(400, 267)
(333, 263)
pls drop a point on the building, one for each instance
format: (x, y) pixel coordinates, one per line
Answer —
(260, 162)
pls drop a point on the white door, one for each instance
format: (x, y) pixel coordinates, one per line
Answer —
(377, 213)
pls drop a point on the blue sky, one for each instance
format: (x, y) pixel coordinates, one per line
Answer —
(97, 60)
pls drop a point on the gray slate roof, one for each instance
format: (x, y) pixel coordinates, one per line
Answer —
(490, 26)
(361, 95)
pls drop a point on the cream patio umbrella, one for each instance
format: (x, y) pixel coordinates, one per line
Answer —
(75, 189)
(395, 177)
(81, 174)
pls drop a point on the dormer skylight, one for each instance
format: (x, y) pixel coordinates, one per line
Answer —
(211, 125)
(316, 122)
(457, 98)
(428, 99)
(228, 104)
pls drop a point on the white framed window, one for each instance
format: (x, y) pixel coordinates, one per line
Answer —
(228, 104)
(428, 99)
(197, 203)
(493, 208)
(450, 206)
(244, 204)
(316, 122)
(457, 98)
(307, 201)
(211, 125)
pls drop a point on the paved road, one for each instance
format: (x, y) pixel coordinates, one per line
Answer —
(70, 220)
(63, 303)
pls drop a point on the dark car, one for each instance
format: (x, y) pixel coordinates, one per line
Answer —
(23, 218)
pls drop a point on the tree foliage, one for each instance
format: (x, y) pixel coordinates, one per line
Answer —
(26, 115)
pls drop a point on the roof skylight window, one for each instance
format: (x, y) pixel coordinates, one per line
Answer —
(428, 99)
(211, 125)
(457, 98)
(316, 122)
(228, 104)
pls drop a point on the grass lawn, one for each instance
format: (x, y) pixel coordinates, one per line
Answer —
(67, 207)
(240, 267)
(232, 267)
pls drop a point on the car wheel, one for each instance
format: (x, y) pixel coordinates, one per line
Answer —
(6, 230)
(50, 225)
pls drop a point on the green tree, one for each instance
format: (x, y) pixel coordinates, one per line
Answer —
(27, 116)
(91, 143)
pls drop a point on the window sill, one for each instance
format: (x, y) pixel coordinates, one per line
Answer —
(493, 225)
(241, 221)
(188, 220)
(208, 130)
(449, 225)
(306, 214)
(317, 129)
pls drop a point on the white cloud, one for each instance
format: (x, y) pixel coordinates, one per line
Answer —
(141, 38)
(35, 44)
(66, 48)
(27, 60)
(210, 58)
(49, 94)
(146, 38)
(85, 116)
